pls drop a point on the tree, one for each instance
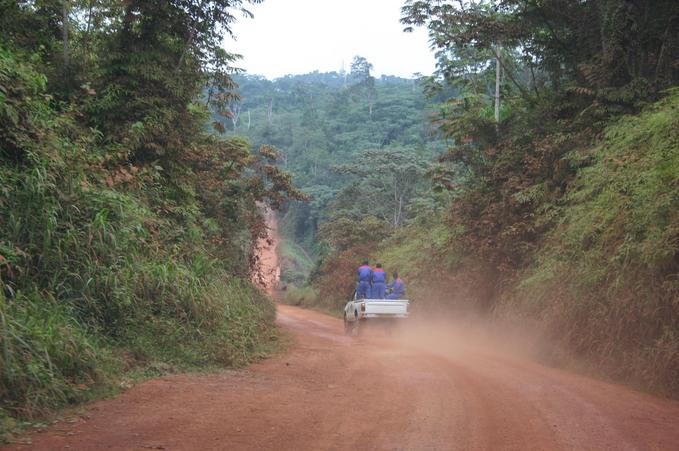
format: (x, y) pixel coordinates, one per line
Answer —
(320, 123)
(123, 218)
(360, 70)
(235, 109)
(156, 65)
(387, 180)
(363, 81)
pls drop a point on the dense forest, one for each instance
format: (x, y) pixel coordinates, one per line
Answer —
(555, 201)
(359, 146)
(532, 178)
(127, 223)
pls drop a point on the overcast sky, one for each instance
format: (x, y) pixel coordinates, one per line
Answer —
(300, 36)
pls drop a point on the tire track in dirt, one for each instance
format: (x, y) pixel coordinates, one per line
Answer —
(330, 391)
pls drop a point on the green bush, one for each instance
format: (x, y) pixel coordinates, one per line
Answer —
(48, 358)
(230, 324)
(303, 297)
(106, 266)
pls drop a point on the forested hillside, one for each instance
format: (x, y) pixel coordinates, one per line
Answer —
(127, 225)
(359, 146)
(556, 201)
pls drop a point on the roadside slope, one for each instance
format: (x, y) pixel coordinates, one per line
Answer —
(594, 267)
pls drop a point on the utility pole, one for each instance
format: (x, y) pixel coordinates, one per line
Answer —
(269, 112)
(64, 30)
(343, 74)
(498, 72)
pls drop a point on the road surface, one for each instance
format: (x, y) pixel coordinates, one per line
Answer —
(330, 391)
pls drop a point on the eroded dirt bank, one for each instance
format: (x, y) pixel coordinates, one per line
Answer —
(267, 273)
(334, 392)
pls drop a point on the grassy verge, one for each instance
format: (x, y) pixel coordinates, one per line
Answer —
(109, 270)
(309, 298)
(50, 360)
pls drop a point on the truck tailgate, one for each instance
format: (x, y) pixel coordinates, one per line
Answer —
(390, 307)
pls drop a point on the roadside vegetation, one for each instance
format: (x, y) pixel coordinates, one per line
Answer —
(295, 262)
(128, 225)
(564, 198)
(544, 189)
(612, 254)
(302, 297)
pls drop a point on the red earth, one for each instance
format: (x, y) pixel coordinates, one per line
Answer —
(330, 391)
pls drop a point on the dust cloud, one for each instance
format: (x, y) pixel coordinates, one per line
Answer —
(466, 335)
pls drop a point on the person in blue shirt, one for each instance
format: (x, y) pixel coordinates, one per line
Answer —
(365, 274)
(398, 288)
(379, 280)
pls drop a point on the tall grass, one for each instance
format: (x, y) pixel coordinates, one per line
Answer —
(305, 296)
(48, 359)
(605, 281)
(88, 279)
(99, 276)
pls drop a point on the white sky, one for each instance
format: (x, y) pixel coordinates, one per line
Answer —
(300, 36)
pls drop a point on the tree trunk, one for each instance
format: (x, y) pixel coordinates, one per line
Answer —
(397, 200)
(235, 114)
(510, 77)
(400, 210)
(533, 81)
(269, 113)
(86, 37)
(64, 31)
(498, 69)
(189, 41)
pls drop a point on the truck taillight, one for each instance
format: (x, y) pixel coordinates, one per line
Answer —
(363, 306)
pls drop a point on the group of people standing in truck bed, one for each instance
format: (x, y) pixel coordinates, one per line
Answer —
(372, 283)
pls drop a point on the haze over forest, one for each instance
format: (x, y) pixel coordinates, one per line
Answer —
(531, 179)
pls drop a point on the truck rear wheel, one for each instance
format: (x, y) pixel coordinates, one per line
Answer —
(347, 325)
(355, 330)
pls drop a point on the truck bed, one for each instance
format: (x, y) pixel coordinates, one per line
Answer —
(375, 308)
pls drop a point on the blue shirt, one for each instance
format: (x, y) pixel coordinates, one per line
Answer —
(379, 276)
(397, 286)
(364, 273)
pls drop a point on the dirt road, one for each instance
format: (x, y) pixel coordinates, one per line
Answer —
(333, 392)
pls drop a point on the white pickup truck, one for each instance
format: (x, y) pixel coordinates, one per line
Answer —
(357, 311)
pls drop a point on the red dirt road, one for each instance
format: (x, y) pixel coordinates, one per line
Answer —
(333, 392)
